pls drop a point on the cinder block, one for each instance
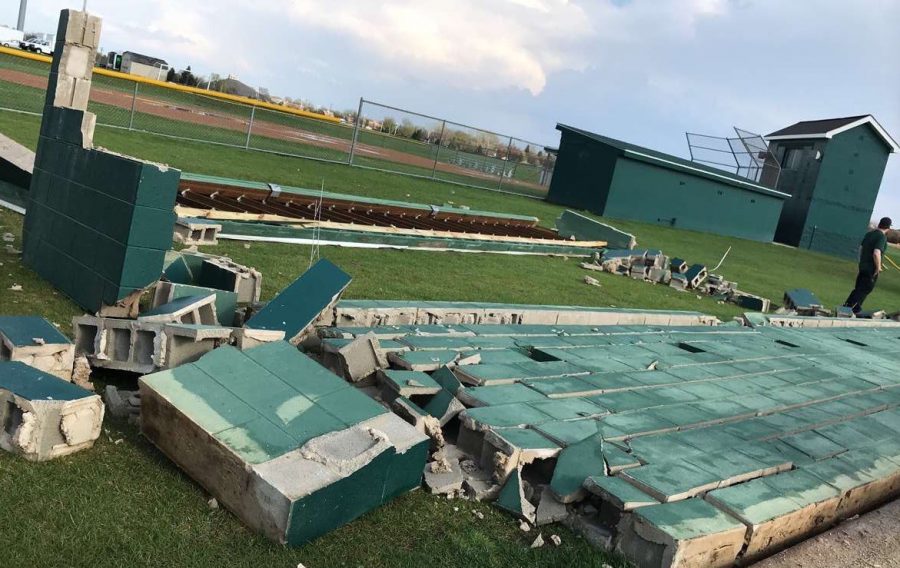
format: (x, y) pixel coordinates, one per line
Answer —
(44, 416)
(36, 342)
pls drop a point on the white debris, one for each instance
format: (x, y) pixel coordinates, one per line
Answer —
(213, 503)
(538, 542)
(524, 526)
(8, 237)
(16, 288)
(554, 538)
(591, 281)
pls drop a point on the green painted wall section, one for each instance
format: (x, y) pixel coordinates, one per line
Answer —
(583, 173)
(655, 194)
(832, 199)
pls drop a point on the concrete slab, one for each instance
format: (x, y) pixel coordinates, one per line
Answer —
(297, 306)
(36, 342)
(293, 450)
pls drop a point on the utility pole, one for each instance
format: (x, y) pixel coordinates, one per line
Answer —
(23, 5)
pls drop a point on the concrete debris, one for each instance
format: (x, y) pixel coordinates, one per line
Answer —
(555, 539)
(123, 404)
(591, 281)
(524, 526)
(8, 238)
(36, 342)
(213, 503)
(805, 303)
(81, 373)
(194, 310)
(290, 448)
(45, 417)
(16, 288)
(196, 232)
(575, 225)
(360, 359)
(538, 542)
(143, 347)
(549, 509)
(16, 163)
(444, 477)
(299, 305)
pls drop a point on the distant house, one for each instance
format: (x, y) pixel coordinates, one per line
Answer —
(232, 86)
(144, 66)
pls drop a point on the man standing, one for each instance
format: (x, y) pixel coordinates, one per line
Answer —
(873, 246)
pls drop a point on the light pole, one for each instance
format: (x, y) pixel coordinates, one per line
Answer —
(23, 6)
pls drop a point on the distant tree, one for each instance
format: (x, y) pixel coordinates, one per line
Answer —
(171, 76)
(407, 128)
(420, 134)
(389, 125)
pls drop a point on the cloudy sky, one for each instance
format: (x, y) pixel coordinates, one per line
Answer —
(645, 71)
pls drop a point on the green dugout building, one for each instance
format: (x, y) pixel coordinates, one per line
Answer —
(620, 180)
(832, 170)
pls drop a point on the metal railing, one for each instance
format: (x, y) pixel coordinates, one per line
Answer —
(379, 137)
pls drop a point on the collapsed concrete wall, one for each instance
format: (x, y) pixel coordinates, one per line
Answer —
(677, 446)
(44, 417)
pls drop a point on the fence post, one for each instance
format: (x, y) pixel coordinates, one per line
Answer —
(503, 166)
(356, 132)
(438, 153)
(133, 104)
(250, 127)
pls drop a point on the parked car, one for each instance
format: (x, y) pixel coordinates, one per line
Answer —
(37, 46)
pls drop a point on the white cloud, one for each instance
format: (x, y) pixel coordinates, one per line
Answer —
(481, 44)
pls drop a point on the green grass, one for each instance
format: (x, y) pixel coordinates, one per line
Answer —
(31, 99)
(124, 503)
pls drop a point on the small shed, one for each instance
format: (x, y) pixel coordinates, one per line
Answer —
(616, 179)
(832, 170)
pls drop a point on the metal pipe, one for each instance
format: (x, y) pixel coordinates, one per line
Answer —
(23, 7)
(356, 132)
(250, 127)
(133, 104)
(438, 153)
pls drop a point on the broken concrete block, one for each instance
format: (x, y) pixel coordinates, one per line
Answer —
(695, 275)
(576, 463)
(575, 225)
(444, 480)
(409, 383)
(226, 302)
(591, 281)
(290, 448)
(751, 302)
(361, 358)
(659, 275)
(512, 498)
(678, 266)
(246, 338)
(16, 163)
(122, 404)
(197, 310)
(549, 509)
(224, 274)
(689, 533)
(678, 281)
(143, 347)
(45, 417)
(36, 342)
(297, 306)
(199, 232)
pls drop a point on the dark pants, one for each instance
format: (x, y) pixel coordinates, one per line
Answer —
(865, 283)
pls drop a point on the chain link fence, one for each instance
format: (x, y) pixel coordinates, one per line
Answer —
(379, 137)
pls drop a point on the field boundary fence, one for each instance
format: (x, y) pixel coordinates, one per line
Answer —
(378, 137)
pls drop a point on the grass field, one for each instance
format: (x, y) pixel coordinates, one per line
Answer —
(124, 503)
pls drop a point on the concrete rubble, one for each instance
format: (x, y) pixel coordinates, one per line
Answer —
(196, 232)
(45, 417)
(36, 342)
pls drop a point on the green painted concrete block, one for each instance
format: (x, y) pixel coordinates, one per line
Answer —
(576, 463)
(298, 305)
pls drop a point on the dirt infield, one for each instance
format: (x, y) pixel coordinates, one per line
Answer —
(199, 116)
